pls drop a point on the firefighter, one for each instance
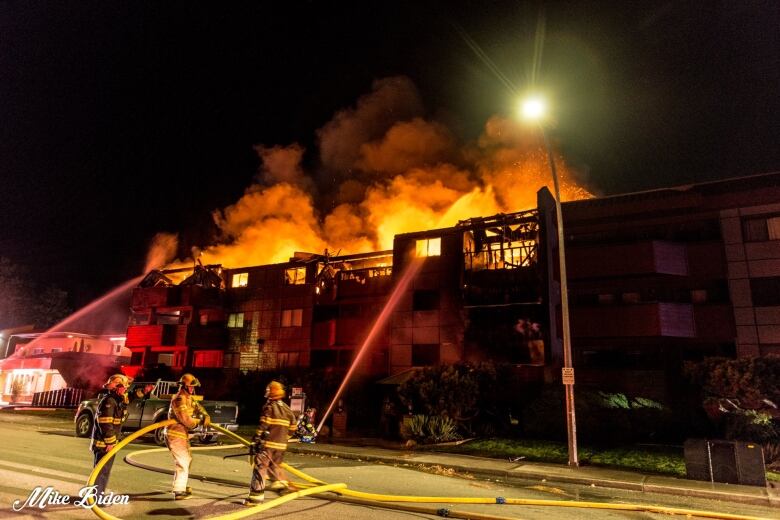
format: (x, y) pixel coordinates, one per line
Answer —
(108, 424)
(305, 429)
(188, 414)
(270, 442)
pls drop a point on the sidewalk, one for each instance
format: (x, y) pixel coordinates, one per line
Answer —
(550, 473)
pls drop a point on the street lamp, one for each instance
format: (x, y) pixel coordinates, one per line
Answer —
(535, 109)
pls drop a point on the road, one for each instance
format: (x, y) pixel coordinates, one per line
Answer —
(41, 450)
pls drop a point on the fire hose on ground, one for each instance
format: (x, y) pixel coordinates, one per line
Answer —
(313, 486)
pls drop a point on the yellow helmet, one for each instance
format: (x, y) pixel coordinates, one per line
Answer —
(118, 379)
(189, 380)
(274, 390)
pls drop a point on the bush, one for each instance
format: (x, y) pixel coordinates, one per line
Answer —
(740, 396)
(607, 418)
(432, 429)
(476, 397)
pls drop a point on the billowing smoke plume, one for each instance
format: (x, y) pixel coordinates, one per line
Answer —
(161, 251)
(385, 170)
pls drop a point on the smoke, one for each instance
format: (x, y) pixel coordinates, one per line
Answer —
(391, 171)
(161, 251)
(340, 140)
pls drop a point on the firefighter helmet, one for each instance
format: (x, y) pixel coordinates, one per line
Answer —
(274, 390)
(189, 380)
(118, 379)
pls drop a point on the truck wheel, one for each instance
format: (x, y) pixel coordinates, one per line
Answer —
(159, 436)
(84, 425)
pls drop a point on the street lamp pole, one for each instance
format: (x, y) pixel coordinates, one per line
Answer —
(568, 370)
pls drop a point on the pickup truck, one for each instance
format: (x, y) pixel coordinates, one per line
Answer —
(152, 408)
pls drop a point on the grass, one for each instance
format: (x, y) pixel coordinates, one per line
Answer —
(662, 461)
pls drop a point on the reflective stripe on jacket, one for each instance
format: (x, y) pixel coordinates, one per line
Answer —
(108, 421)
(183, 409)
(276, 425)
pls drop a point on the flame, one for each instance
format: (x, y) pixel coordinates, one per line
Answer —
(390, 172)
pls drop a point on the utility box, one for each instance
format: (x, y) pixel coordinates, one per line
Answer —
(339, 424)
(297, 400)
(731, 462)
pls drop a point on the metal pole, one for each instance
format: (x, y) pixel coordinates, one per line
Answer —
(571, 421)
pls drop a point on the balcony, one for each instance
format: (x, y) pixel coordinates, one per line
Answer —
(636, 320)
(149, 297)
(607, 261)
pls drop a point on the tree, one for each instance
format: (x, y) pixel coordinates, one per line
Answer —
(23, 302)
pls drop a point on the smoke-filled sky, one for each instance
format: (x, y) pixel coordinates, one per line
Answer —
(256, 130)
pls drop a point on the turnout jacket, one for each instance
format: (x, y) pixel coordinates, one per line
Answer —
(108, 421)
(187, 412)
(276, 424)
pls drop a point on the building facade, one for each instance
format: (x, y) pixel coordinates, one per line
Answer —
(655, 278)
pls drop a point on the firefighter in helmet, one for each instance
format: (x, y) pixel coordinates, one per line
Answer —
(277, 423)
(188, 414)
(108, 424)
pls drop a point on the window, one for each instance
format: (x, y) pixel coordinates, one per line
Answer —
(761, 229)
(137, 358)
(240, 280)
(292, 317)
(165, 359)
(765, 291)
(606, 298)
(37, 351)
(55, 350)
(295, 276)
(207, 358)
(425, 354)
(631, 297)
(428, 247)
(235, 320)
(425, 300)
(323, 358)
(287, 359)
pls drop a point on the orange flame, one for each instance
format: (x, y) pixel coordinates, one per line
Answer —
(391, 177)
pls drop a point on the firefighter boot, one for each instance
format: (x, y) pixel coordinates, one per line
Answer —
(277, 485)
(182, 495)
(254, 499)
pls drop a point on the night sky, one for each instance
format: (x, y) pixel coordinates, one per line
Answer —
(123, 119)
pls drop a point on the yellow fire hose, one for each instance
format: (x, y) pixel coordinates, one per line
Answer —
(376, 499)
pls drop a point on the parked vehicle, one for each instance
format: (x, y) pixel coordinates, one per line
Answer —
(152, 408)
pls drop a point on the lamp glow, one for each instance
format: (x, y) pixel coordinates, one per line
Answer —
(533, 108)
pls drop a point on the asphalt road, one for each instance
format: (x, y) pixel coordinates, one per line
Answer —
(41, 450)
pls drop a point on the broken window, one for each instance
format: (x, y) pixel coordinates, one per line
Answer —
(428, 247)
(240, 280)
(502, 246)
(295, 276)
(235, 320)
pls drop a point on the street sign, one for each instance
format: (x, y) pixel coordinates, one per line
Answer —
(568, 375)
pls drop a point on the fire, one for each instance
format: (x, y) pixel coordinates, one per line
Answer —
(390, 172)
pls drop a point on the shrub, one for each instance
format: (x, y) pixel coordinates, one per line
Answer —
(471, 395)
(772, 455)
(602, 417)
(740, 395)
(441, 429)
(432, 429)
(416, 427)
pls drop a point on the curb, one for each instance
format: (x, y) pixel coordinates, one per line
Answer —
(643, 483)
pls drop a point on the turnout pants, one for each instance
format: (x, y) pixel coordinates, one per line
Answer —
(102, 479)
(179, 444)
(267, 468)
